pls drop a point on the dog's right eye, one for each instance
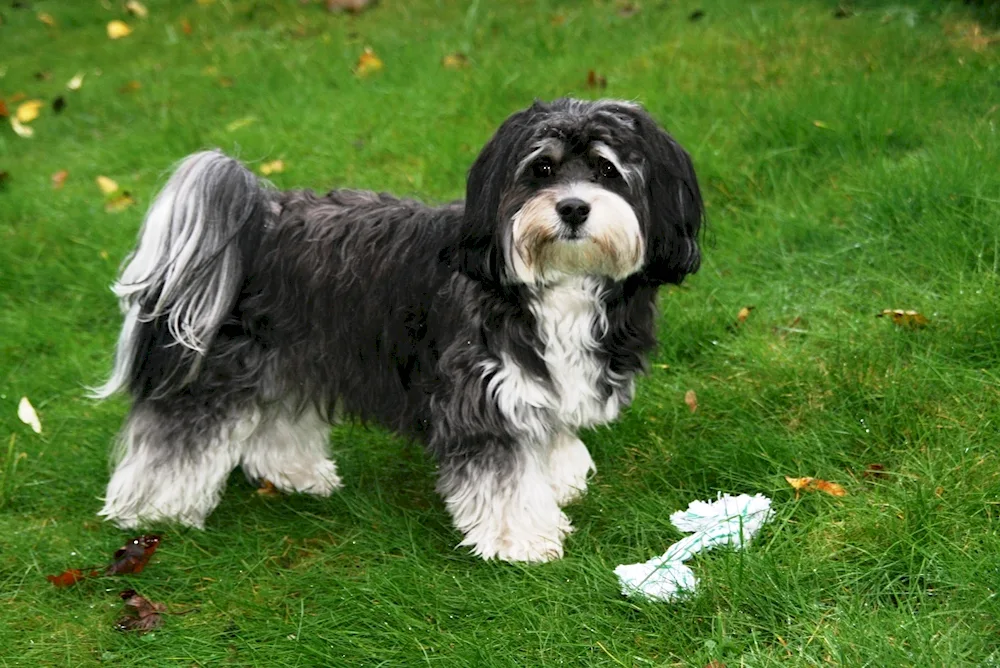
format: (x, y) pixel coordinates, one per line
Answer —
(543, 168)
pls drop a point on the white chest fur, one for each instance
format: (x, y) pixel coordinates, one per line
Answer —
(568, 315)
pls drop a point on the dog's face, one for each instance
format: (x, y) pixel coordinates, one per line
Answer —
(576, 188)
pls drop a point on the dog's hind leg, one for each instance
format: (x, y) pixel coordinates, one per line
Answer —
(290, 449)
(172, 465)
(570, 464)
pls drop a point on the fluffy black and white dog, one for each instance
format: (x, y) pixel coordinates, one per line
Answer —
(490, 329)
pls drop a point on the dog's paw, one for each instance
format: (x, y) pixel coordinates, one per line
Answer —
(569, 466)
(321, 480)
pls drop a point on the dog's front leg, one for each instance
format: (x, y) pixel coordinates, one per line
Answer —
(500, 497)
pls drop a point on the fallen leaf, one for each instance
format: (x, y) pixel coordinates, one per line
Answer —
(104, 254)
(368, 63)
(141, 614)
(628, 9)
(226, 82)
(106, 185)
(351, 6)
(691, 399)
(240, 123)
(595, 80)
(21, 130)
(28, 111)
(26, 413)
(69, 577)
(130, 87)
(821, 125)
(455, 61)
(744, 313)
(186, 26)
(273, 167)
(119, 203)
(47, 19)
(59, 104)
(901, 318)
(815, 484)
(558, 19)
(874, 471)
(59, 178)
(134, 556)
(4, 112)
(75, 82)
(17, 97)
(118, 29)
(136, 8)
(267, 488)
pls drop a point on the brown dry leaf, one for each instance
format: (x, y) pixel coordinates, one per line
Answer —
(267, 488)
(226, 82)
(141, 614)
(28, 111)
(47, 19)
(4, 112)
(815, 484)
(628, 9)
(106, 185)
(118, 29)
(130, 87)
(273, 167)
(901, 318)
(59, 178)
(455, 61)
(558, 19)
(69, 577)
(368, 63)
(17, 97)
(351, 6)
(186, 27)
(595, 80)
(136, 8)
(119, 203)
(75, 82)
(744, 313)
(21, 130)
(691, 399)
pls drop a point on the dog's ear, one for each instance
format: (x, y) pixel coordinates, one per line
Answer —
(478, 251)
(676, 210)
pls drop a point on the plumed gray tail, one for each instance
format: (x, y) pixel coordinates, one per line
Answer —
(180, 283)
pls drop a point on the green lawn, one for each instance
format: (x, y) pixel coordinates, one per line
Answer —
(849, 165)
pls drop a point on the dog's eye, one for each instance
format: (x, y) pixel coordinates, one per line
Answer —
(543, 168)
(606, 169)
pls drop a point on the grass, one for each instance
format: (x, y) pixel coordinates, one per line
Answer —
(849, 165)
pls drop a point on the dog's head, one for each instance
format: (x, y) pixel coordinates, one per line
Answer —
(578, 188)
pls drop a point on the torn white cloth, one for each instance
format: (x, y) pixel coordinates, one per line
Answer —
(729, 520)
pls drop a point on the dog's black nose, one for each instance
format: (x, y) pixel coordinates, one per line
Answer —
(573, 211)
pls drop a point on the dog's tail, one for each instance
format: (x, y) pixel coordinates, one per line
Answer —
(180, 283)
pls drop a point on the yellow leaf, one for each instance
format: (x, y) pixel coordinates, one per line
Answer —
(21, 130)
(368, 63)
(901, 318)
(119, 203)
(47, 19)
(744, 313)
(59, 178)
(240, 123)
(273, 167)
(691, 399)
(267, 488)
(821, 125)
(118, 29)
(455, 61)
(137, 8)
(26, 413)
(104, 255)
(28, 111)
(75, 82)
(106, 185)
(815, 484)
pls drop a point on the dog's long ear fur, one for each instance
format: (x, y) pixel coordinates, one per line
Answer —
(478, 253)
(675, 207)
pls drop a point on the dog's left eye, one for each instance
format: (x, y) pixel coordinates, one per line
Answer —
(606, 169)
(543, 168)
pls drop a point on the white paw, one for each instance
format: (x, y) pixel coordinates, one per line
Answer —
(569, 466)
(320, 480)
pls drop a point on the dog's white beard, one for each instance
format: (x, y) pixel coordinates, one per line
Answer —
(609, 243)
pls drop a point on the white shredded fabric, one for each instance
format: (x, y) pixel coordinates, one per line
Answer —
(729, 520)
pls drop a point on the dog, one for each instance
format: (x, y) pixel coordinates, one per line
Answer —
(490, 330)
